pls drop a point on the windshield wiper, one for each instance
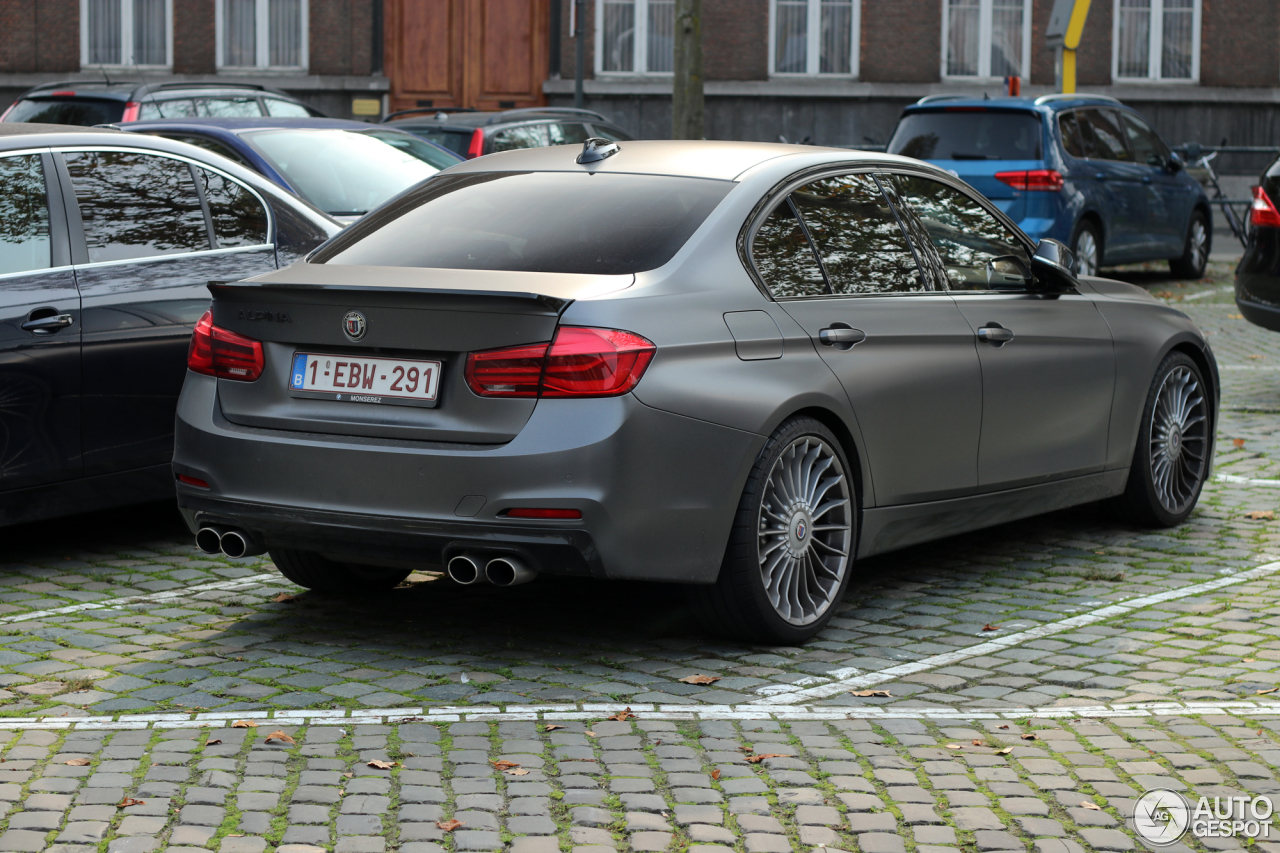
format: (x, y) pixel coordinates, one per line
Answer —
(956, 155)
(346, 212)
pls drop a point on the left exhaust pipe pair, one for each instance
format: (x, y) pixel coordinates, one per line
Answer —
(228, 540)
(468, 569)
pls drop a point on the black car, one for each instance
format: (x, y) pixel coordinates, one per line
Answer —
(1258, 274)
(108, 241)
(472, 134)
(87, 102)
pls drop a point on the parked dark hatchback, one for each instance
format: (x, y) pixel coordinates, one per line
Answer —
(90, 102)
(1082, 169)
(1258, 274)
(107, 244)
(472, 134)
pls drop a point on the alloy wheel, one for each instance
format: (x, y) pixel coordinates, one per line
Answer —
(1179, 440)
(1198, 244)
(1086, 252)
(805, 530)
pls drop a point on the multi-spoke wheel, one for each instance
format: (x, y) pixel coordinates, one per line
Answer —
(791, 548)
(1087, 247)
(1176, 438)
(1195, 251)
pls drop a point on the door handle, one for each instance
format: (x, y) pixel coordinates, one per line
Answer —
(1146, 179)
(838, 335)
(1100, 176)
(995, 334)
(48, 325)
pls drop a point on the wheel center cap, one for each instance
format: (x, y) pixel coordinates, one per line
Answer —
(799, 531)
(1175, 442)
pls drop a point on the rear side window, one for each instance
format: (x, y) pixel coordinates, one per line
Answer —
(1100, 135)
(524, 136)
(1072, 137)
(136, 205)
(228, 107)
(566, 222)
(784, 258)
(172, 108)
(24, 215)
(86, 112)
(239, 219)
(568, 134)
(962, 134)
(285, 109)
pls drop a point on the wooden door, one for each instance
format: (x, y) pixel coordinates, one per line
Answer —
(486, 54)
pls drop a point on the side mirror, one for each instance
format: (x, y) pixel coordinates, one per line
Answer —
(1174, 164)
(1054, 267)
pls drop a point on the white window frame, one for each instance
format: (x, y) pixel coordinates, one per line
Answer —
(813, 45)
(1155, 49)
(262, 49)
(984, 41)
(126, 38)
(639, 42)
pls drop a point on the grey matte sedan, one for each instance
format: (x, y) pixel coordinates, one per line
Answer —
(736, 366)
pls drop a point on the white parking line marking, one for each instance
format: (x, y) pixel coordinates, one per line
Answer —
(1245, 367)
(847, 679)
(1205, 293)
(142, 599)
(1232, 478)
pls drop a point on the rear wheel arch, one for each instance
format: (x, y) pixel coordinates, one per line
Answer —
(1093, 218)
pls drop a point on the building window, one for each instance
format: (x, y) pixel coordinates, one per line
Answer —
(1157, 40)
(126, 32)
(985, 38)
(814, 37)
(262, 34)
(635, 36)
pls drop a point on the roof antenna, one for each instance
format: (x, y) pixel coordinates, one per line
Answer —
(150, 95)
(104, 75)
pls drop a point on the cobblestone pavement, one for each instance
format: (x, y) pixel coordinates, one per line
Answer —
(123, 646)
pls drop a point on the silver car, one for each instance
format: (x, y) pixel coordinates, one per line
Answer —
(736, 366)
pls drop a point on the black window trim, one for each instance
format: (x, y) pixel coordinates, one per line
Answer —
(79, 247)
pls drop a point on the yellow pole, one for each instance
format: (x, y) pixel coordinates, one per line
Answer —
(1068, 71)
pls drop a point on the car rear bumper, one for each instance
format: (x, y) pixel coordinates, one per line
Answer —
(657, 491)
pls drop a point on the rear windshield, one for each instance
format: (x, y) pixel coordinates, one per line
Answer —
(457, 141)
(966, 135)
(566, 222)
(82, 111)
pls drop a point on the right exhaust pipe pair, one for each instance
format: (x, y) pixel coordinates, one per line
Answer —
(468, 569)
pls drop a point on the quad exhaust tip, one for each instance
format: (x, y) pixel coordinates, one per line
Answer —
(209, 539)
(508, 571)
(464, 569)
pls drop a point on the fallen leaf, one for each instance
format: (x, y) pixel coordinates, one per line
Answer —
(1253, 355)
(518, 771)
(284, 596)
(212, 742)
(503, 764)
(1005, 726)
(589, 733)
(280, 736)
(382, 765)
(1268, 690)
(449, 825)
(756, 759)
(1250, 660)
(954, 746)
(700, 679)
(625, 714)
(1260, 514)
(551, 727)
(77, 762)
(1238, 442)
(978, 743)
(244, 724)
(1028, 736)
(1005, 751)
(1164, 294)
(1259, 731)
(1085, 804)
(1235, 316)
(715, 774)
(130, 801)
(348, 775)
(991, 627)
(745, 749)
(883, 693)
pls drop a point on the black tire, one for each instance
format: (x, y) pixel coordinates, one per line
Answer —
(329, 577)
(1086, 230)
(1196, 245)
(738, 603)
(1142, 501)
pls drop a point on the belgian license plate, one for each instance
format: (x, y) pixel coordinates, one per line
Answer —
(357, 379)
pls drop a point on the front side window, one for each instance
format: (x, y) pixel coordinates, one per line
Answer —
(1100, 135)
(1156, 40)
(262, 34)
(126, 32)
(635, 36)
(1147, 147)
(862, 246)
(814, 36)
(24, 215)
(136, 205)
(977, 250)
(986, 38)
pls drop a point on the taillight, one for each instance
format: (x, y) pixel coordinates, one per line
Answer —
(477, 144)
(1262, 211)
(217, 352)
(131, 110)
(580, 362)
(1045, 180)
(192, 481)
(64, 93)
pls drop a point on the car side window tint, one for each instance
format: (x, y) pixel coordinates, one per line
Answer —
(228, 107)
(524, 136)
(1103, 139)
(1147, 147)
(862, 247)
(784, 257)
(24, 215)
(173, 108)
(239, 219)
(977, 250)
(285, 109)
(568, 133)
(136, 205)
(1069, 126)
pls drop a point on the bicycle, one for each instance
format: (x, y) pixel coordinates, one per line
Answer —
(1199, 158)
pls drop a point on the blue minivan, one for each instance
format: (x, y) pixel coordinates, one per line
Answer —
(1082, 169)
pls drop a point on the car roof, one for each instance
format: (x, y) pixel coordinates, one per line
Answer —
(716, 160)
(237, 124)
(1050, 103)
(19, 131)
(473, 119)
(126, 90)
